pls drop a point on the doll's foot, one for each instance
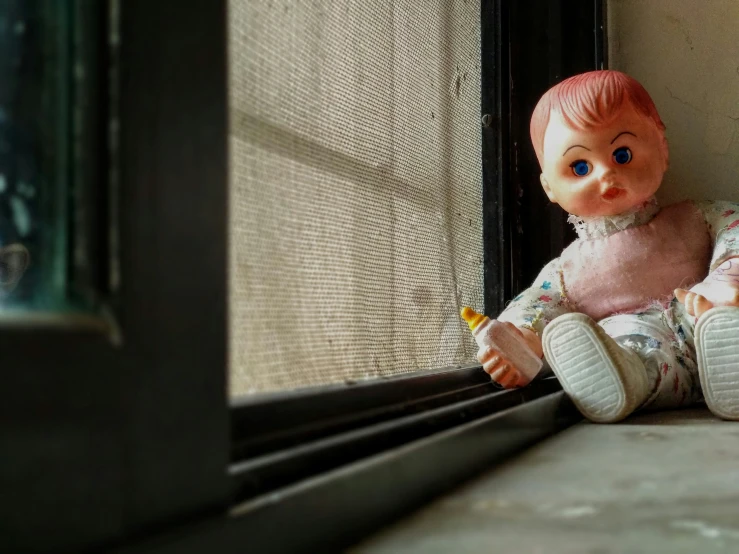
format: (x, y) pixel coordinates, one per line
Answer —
(605, 381)
(717, 346)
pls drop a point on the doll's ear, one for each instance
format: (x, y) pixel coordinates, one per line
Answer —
(547, 189)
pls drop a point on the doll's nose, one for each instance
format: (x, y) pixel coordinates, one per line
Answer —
(606, 179)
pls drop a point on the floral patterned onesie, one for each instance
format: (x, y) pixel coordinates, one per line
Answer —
(660, 333)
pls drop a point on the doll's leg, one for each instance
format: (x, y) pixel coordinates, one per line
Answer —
(717, 344)
(665, 348)
(606, 381)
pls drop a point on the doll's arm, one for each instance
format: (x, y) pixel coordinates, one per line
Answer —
(528, 314)
(534, 308)
(722, 219)
(721, 287)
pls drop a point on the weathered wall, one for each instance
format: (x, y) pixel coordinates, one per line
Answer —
(686, 53)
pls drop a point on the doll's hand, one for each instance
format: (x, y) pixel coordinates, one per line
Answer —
(720, 288)
(500, 368)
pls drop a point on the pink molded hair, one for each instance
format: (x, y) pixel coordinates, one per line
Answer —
(589, 100)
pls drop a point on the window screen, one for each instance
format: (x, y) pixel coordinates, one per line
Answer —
(356, 189)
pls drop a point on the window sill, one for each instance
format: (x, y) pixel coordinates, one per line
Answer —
(361, 496)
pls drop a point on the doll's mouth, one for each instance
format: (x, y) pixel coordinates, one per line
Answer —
(613, 193)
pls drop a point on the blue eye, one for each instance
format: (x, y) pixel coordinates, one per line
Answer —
(580, 168)
(622, 155)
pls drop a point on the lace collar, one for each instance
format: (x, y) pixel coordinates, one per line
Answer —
(603, 226)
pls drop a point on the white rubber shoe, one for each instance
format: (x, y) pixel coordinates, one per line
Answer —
(717, 346)
(605, 381)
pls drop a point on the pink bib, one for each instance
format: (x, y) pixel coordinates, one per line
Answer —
(625, 271)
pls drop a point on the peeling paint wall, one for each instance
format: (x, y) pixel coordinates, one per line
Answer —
(686, 54)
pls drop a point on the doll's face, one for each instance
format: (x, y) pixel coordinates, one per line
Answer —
(603, 171)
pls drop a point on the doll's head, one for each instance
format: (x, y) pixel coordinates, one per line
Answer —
(600, 143)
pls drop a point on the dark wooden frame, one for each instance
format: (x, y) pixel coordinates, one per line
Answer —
(104, 439)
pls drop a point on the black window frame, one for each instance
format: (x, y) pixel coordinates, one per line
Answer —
(124, 445)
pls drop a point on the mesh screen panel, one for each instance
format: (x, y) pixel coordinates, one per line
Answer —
(356, 213)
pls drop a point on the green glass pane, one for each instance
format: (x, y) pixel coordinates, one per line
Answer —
(45, 109)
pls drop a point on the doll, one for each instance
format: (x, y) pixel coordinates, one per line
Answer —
(641, 311)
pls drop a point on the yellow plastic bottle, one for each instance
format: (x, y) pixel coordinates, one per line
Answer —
(491, 332)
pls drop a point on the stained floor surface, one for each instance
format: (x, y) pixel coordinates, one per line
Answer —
(664, 482)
